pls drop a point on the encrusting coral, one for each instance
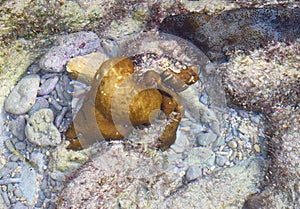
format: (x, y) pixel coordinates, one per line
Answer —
(125, 95)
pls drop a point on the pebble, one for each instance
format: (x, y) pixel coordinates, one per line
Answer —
(243, 129)
(221, 160)
(23, 95)
(17, 127)
(232, 144)
(48, 86)
(19, 205)
(206, 138)
(204, 99)
(14, 158)
(192, 173)
(55, 104)
(39, 104)
(40, 129)
(18, 193)
(20, 145)
(256, 148)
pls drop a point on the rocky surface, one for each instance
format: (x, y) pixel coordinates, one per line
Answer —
(112, 21)
(40, 129)
(69, 46)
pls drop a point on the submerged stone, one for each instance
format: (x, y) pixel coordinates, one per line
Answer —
(23, 96)
(40, 129)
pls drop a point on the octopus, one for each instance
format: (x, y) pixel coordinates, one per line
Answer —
(130, 92)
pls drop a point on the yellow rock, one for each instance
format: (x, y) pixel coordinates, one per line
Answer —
(116, 103)
(84, 68)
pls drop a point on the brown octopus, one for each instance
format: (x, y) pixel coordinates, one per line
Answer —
(130, 92)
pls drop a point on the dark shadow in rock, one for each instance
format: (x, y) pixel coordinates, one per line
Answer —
(244, 29)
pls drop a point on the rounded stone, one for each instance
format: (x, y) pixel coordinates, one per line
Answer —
(20, 145)
(17, 127)
(221, 160)
(206, 138)
(23, 96)
(232, 144)
(192, 173)
(40, 129)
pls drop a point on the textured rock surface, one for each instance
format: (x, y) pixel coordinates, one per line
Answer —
(84, 68)
(271, 84)
(40, 129)
(23, 19)
(119, 177)
(79, 43)
(260, 24)
(22, 97)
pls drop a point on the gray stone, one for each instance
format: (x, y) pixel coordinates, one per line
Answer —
(192, 173)
(30, 184)
(19, 205)
(18, 193)
(14, 158)
(39, 104)
(17, 127)
(206, 138)
(11, 165)
(48, 86)
(68, 46)
(221, 160)
(20, 145)
(23, 96)
(200, 156)
(232, 144)
(40, 129)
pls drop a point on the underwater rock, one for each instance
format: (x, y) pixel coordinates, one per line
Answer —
(40, 129)
(40, 103)
(17, 127)
(48, 86)
(244, 29)
(265, 78)
(126, 94)
(23, 96)
(192, 173)
(68, 46)
(84, 68)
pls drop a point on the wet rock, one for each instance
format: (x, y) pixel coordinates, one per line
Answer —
(200, 156)
(84, 68)
(17, 127)
(40, 129)
(19, 205)
(30, 184)
(192, 173)
(23, 96)
(206, 138)
(68, 46)
(48, 86)
(40, 103)
(20, 145)
(221, 160)
(245, 29)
